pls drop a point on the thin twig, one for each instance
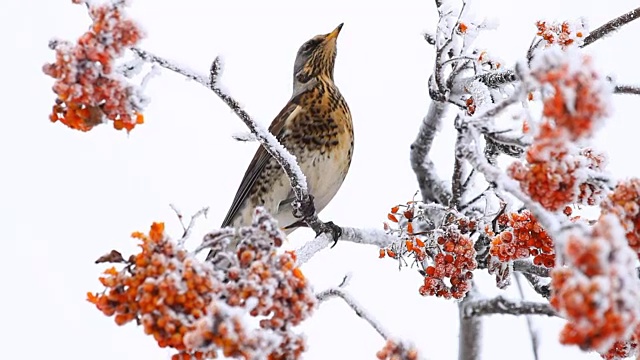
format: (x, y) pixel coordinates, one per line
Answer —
(533, 334)
(357, 308)
(611, 26)
(187, 228)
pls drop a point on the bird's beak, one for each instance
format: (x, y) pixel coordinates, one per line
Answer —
(334, 34)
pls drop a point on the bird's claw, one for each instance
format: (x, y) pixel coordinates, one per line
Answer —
(334, 230)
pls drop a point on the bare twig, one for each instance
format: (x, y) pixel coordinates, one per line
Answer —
(189, 227)
(432, 187)
(500, 305)
(611, 26)
(357, 308)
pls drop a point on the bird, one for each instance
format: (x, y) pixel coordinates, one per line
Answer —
(316, 127)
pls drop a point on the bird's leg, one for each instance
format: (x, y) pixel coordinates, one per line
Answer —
(304, 209)
(330, 228)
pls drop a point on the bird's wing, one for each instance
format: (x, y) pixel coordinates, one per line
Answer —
(261, 158)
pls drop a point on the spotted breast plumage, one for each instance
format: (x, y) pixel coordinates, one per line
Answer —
(316, 127)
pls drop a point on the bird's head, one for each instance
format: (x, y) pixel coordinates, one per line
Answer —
(316, 57)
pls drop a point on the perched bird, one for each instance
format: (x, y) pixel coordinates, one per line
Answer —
(315, 126)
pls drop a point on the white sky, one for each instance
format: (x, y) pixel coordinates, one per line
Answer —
(68, 197)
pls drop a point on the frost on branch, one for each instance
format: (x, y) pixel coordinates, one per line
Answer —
(598, 290)
(89, 90)
(624, 203)
(202, 311)
(445, 255)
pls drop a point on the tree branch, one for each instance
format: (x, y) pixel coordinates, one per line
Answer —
(470, 340)
(495, 175)
(357, 308)
(500, 305)
(627, 89)
(611, 26)
(359, 236)
(533, 334)
(432, 187)
(543, 289)
(526, 266)
(456, 183)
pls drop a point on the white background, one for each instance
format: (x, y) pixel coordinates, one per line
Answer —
(68, 197)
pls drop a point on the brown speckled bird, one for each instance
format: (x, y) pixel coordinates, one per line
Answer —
(315, 126)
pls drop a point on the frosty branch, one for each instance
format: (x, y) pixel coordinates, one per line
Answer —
(611, 26)
(353, 304)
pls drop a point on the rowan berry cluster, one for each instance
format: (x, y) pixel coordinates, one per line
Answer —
(577, 99)
(162, 287)
(624, 349)
(455, 262)
(395, 350)
(575, 103)
(200, 310)
(446, 254)
(597, 291)
(563, 34)
(624, 203)
(410, 220)
(87, 87)
(522, 237)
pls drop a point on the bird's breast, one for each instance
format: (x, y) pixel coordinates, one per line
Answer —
(321, 138)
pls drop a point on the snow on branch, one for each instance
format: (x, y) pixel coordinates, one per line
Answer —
(611, 26)
(432, 188)
(500, 305)
(355, 306)
(394, 348)
(359, 236)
